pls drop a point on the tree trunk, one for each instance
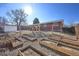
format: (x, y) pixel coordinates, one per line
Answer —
(18, 27)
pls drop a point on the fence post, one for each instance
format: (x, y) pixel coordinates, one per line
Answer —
(77, 31)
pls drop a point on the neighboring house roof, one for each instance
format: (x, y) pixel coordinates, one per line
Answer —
(51, 22)
(56, 21)
(9, 25)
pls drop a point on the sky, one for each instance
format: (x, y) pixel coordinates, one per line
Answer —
(46, 12)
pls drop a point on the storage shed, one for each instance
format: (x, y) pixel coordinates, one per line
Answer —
(10, 28)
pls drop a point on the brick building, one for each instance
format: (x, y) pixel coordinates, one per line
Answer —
(49, 26)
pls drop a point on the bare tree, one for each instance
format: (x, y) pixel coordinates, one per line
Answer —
(18, 16)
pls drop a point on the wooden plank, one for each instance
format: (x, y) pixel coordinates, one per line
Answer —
(39, 50)
(69, 45)
(24, 47)
(20, 53)
(20, 39)
(65, 50)
(67, 40)
(29, 38)
(65, 43)
(17, 44)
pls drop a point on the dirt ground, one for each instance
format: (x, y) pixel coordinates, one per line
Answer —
(27, 43)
